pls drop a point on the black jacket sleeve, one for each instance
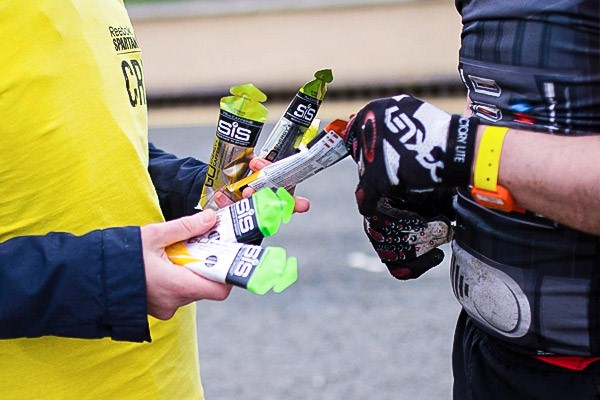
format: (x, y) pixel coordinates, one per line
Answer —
(178, 182)
(89, 286)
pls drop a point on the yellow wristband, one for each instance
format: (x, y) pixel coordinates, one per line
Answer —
(487, 163)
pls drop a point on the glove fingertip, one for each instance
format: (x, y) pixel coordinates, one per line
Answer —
(417, 267)
(401, 273)
(437, 256)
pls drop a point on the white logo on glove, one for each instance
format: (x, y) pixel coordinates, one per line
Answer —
(415, 140)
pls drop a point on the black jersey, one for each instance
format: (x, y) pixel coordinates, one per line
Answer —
(523, 278)
(533, 64)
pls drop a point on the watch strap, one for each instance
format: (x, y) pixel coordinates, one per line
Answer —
(487, 163)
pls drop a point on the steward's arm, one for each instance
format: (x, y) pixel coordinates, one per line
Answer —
(89, 286)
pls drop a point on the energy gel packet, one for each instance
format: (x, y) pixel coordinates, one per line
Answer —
(251, 219)
(241, 119)
(247, 266)
(309, 135)
(291, 126)
(324, 150)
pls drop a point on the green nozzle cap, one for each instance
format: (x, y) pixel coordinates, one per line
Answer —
(325, 75)
(272, 208)
(248, 91)
(246, 102)
(289, 276)
(272, 272)
(318, 87)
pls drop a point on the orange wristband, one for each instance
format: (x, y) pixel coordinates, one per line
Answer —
(486, 190)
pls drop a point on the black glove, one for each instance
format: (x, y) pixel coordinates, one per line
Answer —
(405, 241)
(405, 147)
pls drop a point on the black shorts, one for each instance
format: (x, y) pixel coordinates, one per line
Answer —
(484, 369)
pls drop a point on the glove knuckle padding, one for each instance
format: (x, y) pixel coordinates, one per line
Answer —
(405, 241)
(399, 145)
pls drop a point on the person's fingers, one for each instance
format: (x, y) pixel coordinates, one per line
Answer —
(221, 199)
(419, 265)
(195, 289)
(366, 201)
(200, 288)
(170, 232)
(257, 163)
(170, 287)
(301, 204)
(247, 192)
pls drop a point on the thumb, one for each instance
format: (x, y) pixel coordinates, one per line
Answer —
(366, 200)
(258, 163)
(184, 228)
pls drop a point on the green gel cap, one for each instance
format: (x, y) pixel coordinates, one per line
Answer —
(289, 276)
(246, 102)
(272, 272)
(318, 87)
(325, 75)
(272, 208)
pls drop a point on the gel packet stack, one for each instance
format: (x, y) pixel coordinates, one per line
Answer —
(230, 252)
(224, 255)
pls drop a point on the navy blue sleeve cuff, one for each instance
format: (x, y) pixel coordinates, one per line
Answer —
(178, 182)
(125, 284)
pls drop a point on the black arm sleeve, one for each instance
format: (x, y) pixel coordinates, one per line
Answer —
(178, 182)
(89, 286)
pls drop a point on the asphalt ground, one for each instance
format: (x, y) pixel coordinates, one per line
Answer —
(345, 330)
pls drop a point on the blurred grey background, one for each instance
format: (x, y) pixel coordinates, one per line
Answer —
(346, 329)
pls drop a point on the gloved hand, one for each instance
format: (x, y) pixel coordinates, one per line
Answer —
(405, 147)
(405, 241)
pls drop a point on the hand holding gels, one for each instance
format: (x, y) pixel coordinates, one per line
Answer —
(246, 266)
(241, 119)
